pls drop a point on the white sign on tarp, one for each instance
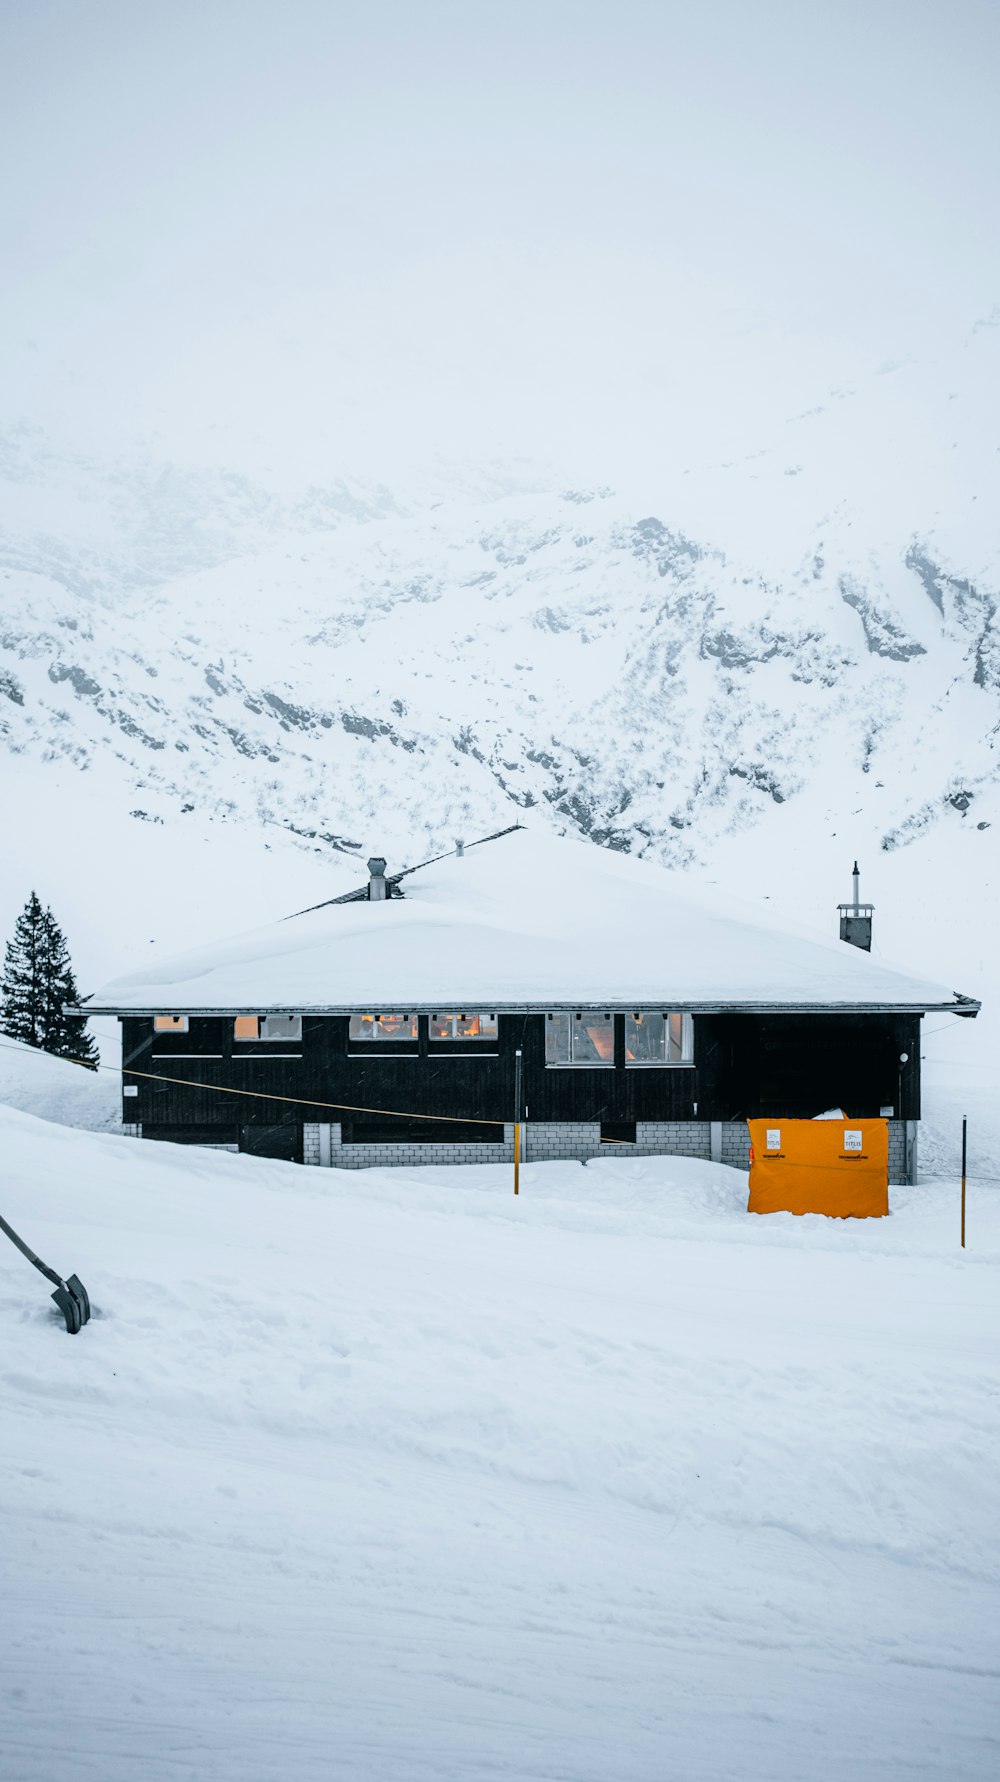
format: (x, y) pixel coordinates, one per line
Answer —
(774, 1138)
(852, 1139)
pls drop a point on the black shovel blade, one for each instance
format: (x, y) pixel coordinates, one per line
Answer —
(69, 1306)
(82, 1297)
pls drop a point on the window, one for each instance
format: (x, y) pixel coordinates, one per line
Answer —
(652, 1037)
(476, 1026)
(618, 1132)
(584, 1038)
(383, 1027)
(267, 1027)
(420, 1132)
(170, 1023)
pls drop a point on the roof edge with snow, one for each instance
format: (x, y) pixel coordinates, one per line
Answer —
(528, 925)
(958, 1005)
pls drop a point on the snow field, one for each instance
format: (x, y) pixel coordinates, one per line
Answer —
(54, 1089)
(389, 1474)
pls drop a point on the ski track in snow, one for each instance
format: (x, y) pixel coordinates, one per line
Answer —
(387, 1474)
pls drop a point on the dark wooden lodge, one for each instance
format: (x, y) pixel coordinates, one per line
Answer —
(327, 1074)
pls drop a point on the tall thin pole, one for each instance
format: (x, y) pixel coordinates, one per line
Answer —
(965, 1125)
(517, 1120)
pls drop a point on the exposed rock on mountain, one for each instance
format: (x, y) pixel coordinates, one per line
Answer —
(653, 679)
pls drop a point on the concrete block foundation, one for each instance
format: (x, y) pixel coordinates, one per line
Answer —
(565, 1141)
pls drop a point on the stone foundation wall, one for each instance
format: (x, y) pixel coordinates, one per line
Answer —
(541, 1142)
(323, 1144)
(552, 1141)
(559, 1141)
(903, 1150)
(734, 1143)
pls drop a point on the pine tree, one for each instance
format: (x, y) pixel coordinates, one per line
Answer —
(67, 1035)
(23, 974)
(38, 982)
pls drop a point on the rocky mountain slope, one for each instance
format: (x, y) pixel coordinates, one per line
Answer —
(811, 629)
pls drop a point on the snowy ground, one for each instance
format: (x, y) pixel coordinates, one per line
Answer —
(386, 1475)
(39, 1084)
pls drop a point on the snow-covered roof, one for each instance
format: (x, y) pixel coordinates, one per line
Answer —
(525, 921)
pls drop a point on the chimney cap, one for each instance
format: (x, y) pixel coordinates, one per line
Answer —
(376, 866)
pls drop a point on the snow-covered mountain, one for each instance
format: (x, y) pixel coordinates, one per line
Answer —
(808, 633)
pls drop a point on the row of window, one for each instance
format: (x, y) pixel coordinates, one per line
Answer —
(362, 1027)
(245, 1027)
(586, 1038)
(477, 1026)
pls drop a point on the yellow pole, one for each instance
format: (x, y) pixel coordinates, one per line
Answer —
(517, 1120)
(965, 1124)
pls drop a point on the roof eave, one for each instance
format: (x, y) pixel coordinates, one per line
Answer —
(965, 1006)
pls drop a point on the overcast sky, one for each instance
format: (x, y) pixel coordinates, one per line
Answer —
(327, 237)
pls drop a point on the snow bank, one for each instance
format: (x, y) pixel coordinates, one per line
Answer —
(389, 1475)
(37, 1083)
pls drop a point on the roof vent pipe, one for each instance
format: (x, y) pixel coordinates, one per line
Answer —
(460, 850)
(378, 890)
(856, 917)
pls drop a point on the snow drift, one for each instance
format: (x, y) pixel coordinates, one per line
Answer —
(395, 1476)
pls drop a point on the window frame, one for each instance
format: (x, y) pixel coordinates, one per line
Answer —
(261, 1037)
(177, 1024)
(383, 1045)
(686, 1060)
(604, 1017)
(463, 1044)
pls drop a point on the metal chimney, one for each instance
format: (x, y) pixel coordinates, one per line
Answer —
(856, 917)
(460, 850)
(378, 890)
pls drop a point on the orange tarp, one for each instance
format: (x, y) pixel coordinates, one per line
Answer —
(838, 1167)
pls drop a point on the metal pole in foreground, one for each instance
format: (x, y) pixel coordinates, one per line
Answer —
(517, 1120)
(965, 1125)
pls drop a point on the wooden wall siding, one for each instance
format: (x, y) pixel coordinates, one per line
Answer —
(789, 1064)
(745, 1066)
(282, 1142)
(205, 1036)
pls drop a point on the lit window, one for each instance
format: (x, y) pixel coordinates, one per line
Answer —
(652, 1037)
(170, 1023)
(267, 1027)
(383, 1027)
(475, 1026)
(584, 1038)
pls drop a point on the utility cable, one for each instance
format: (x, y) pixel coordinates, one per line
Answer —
(344, 1107)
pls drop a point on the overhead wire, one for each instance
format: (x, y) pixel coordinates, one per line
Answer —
(306, 1101)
